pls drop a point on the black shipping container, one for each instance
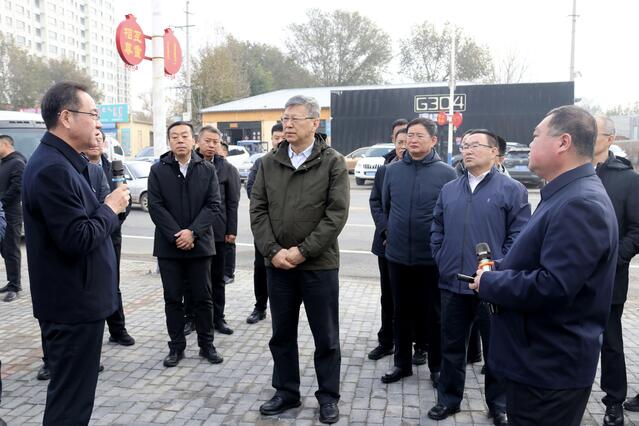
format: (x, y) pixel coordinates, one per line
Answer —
(364, 117)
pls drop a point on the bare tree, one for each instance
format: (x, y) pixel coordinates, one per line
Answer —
(425, 55)
(340, 48)
(511, 69)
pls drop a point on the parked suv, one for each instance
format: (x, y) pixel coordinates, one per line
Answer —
(373, 158)
(517, 165)
(25, 128)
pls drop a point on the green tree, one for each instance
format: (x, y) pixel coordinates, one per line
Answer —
(25, 78)
(340, 48)
(425, 55)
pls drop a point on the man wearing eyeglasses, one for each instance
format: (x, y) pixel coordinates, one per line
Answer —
(481, 206)
(299, 205)
(554, 286)
(72, 264)
(622, 185)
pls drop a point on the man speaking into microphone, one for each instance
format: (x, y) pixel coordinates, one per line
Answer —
(553, 288)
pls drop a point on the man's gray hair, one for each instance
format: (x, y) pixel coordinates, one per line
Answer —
(310, 103)
(579, 124)
(607, 124)
(211, 129)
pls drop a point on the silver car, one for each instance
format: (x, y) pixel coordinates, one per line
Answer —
(137, 174)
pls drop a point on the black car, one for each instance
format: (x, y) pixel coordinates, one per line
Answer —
(517, 165)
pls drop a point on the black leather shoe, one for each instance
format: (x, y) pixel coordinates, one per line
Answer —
(499, 418)
(440, 412)
(277, 405)
(613, 416)
(43, 373)
(380, 352)
(329, 413)
(123, 339)
(173, 358)
(188, 327)
(11, 296)
(256, 316)
(434, 377)
(419, 357)
(223, 327)
(4, 289)
(632, 404)
(395, 374)
(211, 355)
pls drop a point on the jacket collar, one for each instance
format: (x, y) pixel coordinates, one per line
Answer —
(566, 178)
(319, 145)
(169, 158)
(432, 157)
(77, 160)
(614, 162)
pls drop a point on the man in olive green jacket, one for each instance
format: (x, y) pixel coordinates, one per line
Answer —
(299, 205)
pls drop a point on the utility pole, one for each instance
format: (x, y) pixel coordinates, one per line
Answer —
(451, 102)
(572, 42)
(188, 115)
(189, 108)
(159, 108)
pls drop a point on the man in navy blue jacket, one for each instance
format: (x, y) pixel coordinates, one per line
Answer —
(554, 286)
(481, 206)
(409, 194)
(72, 267)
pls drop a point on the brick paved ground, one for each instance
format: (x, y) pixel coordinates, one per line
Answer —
(135, 389)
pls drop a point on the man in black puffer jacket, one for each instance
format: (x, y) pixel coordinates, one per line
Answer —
(184, 199)
(622, 185)
(11, 170)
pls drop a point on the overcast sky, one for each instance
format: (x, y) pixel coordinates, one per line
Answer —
(538, 31)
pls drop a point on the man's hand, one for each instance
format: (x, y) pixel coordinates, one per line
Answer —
(118, 200)
(475, 285)
(294, 256)
(229, 239)
(280, 261)
(184, 240)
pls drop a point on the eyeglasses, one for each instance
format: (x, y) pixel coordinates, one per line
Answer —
(473, 146)
(419, 136)
(94, 115)
(295, 120)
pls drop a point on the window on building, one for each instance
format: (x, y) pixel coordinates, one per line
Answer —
(38, 32)
(39, 47)
(20, 9)
(53, 49)
(9, 21)
(20, 40)
(37, 17)
(20, 25)
(53, 35)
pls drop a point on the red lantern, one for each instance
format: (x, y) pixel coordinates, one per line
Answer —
(172, 53)
(442, 119)
(130, 42)
(457, 119)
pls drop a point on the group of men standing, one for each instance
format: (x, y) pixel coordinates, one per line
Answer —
(553, 272)
(550, 285)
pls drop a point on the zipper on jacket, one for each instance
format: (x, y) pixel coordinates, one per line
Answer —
(469, 200)
(410, 217)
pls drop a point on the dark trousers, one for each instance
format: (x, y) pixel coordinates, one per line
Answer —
(319, 290)
(459, 312)
(613, 362)
(529, 405)
(115, 321)
(218, 289)
(10, 250)
(73, 352)
(229, 261)
(474, 343)
(416, 301)
(218, 264)
(385, 334)
(259, 282)
(178, 275)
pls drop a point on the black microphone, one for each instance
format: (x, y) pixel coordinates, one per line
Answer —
(485, 261)
(117, 170)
